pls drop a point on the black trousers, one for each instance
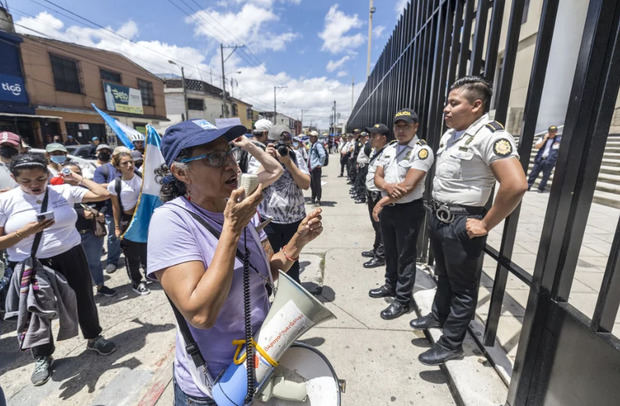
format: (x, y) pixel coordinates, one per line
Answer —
(315, 183)
(344, 163)
(360, 182)
(279, 235)
(458, 263)
(135, 253)
(73, 265)
(372, 198)
(135, 256)
(400, 225)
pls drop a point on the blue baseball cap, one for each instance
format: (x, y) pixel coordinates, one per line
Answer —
(192, 133)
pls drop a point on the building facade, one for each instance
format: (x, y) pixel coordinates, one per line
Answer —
(63, 79)
(282, 119)
(204, 101)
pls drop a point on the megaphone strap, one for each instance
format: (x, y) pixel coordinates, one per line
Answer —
(240, 359)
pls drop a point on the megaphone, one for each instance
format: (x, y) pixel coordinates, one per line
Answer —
(293, 312)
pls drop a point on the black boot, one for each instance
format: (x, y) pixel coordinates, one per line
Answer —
(438, 354)
(425, 322)
(374, 262)
(382, 291)
(394, 310)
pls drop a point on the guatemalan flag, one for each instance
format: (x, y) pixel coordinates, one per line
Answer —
(148, 200)
(122, 131)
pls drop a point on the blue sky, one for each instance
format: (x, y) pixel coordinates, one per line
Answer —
(313, 47)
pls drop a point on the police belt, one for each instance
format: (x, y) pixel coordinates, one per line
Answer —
(447, 212)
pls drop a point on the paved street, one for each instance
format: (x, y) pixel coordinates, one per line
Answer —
(377, 358)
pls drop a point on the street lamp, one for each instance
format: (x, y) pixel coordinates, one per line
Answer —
(184, 87)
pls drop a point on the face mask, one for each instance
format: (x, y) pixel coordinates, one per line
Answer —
(295, 145)
(104, 156)
(58, 159)
(7, 152)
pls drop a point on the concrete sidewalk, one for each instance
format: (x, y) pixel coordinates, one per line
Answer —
(377, 358)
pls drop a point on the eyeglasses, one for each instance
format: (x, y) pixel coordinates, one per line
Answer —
(215, 159)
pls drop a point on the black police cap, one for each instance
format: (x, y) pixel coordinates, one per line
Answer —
(378, 128)
(406, 115)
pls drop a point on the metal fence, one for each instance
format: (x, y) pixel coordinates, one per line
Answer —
(437, 41)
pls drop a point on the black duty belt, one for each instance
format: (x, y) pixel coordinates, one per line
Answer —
(411, 203)
(447, 212)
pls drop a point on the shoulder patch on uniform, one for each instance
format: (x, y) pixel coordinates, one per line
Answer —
(421, 142)
(502, 147)
(423, 153)
(494, 126)
(392, 142)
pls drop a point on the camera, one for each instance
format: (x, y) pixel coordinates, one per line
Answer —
(66, 171)
(282, 148)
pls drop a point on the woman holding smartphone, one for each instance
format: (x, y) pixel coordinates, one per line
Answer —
(60, 247)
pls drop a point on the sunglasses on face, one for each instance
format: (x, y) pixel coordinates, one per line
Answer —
(215, 159)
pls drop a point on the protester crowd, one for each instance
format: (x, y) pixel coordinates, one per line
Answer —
(59, 230)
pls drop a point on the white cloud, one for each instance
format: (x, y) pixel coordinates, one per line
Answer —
(378, 30)
(248, 26)
(342, 74)
(334, 35)
(315, 95)
(400, 6)
(333, 65)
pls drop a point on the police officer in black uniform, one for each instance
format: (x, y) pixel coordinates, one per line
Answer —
(400, 176)
(473, 154)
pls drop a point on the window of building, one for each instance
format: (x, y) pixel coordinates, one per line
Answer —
(146, 90)
(248, 114)
(195, 104)
(109, 76)
(235, 110)
(140, 127)
(65, 71)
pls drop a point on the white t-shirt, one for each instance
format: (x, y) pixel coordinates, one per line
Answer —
(130, 190)
(18, 208)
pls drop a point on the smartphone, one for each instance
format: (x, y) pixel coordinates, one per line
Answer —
(48, 215)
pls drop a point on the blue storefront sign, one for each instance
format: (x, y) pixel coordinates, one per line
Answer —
(12, 89)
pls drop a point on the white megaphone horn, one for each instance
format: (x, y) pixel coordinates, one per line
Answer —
(293, 312)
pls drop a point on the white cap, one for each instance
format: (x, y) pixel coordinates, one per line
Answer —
(314, 133)
(263, 125)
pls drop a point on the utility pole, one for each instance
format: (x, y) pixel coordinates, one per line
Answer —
(184, 87)
(302, 118)
(335, 118)
(275, 115)
(224, 102)
(371, 11)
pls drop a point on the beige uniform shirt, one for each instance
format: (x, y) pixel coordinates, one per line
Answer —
(463, 174)
(397, 162)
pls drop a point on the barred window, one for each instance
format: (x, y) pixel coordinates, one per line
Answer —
(195, 104)
(146, 90)
(65, 71)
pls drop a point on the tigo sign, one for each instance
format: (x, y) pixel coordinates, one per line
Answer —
(12, 89)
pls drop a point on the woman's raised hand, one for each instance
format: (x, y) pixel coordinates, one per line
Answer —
(241, 142)
(240, 209)
(310, 227)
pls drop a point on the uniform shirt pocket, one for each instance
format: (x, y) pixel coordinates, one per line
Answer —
(466, 162)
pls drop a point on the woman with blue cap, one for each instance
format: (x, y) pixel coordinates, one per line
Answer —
(199, 270)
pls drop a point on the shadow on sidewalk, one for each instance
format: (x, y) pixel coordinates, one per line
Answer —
(124, 293)
(85, 369)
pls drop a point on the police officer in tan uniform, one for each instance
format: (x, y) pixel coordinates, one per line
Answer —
(474, 154)
(400, 177)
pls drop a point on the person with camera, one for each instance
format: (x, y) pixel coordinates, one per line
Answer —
(199, 270)
(246, 161)
(284, 200)
(60, 245)
(91, 226)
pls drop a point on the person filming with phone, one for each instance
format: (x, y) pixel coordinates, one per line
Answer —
(35, 207)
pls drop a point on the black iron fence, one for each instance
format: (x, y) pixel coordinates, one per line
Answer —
(437, 41)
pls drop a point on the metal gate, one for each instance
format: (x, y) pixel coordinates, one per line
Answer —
(563, 358)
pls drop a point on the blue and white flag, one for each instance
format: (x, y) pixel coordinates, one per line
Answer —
(122, 131)
(148, 200)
